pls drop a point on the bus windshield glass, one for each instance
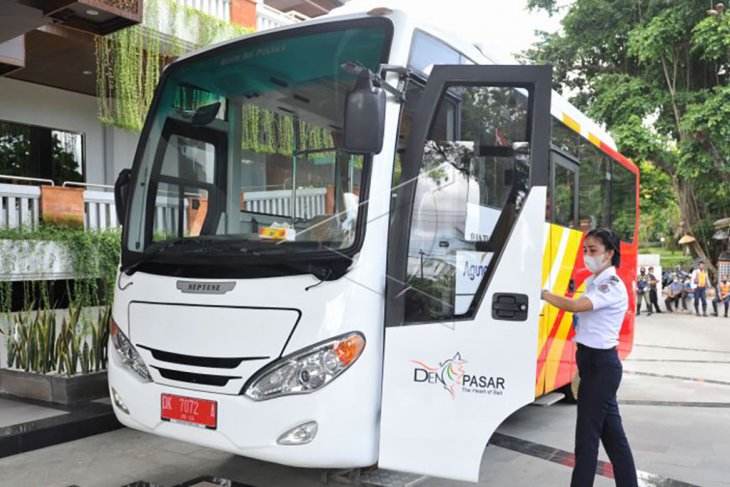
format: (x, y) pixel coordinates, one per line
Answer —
(242, 149)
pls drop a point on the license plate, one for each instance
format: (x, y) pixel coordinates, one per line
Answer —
(189, 410)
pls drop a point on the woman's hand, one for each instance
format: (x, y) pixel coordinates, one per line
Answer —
(567, 304)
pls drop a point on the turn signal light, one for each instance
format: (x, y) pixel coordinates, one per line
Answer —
(349, 349)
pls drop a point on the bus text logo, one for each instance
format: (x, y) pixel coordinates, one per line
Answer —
(452, 376)
(196, 287)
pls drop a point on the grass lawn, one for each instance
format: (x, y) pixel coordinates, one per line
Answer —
(669, 258)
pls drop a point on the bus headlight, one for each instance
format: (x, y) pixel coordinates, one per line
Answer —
(307, 370)
(129, 355)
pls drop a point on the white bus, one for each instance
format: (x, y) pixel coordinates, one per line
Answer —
(334, 242)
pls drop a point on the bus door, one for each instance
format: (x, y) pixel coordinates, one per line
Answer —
(464, 268)
(556, 351)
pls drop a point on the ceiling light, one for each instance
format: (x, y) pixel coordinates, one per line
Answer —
(86, 72)
(92, 12)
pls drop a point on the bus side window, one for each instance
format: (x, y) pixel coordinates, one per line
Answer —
(623, 202)
(562, 191)
(593, 187)
(564, 138)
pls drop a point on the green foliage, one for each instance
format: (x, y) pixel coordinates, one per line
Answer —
(266, 132)
(33, 344)
(659, 211)
(711, 38)
(129, 62)
(94, 255)
(35, 340)
(670, 258)
(656, 73)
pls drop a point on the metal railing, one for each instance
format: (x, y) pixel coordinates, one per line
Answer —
(309, 202)
(270, 18)
(100, 213)
(25, 178)
(66, 184)
(215, 8)
(20, 206)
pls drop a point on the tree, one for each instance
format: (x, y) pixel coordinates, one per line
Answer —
(656, 73)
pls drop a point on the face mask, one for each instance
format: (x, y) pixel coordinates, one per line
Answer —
(675, 280)
(594, 264)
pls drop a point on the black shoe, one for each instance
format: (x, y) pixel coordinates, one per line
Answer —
(725, 315)
(697, 313)
(714, 314)
(704, 314)
(648, 314)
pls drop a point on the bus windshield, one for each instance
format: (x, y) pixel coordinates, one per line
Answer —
(242, 148)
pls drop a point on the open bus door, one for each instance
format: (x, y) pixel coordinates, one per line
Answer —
(465, 267)
(556, 349)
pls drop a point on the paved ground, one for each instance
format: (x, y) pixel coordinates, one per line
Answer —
(675, 403)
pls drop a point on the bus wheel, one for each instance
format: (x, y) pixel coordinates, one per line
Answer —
(571, 390)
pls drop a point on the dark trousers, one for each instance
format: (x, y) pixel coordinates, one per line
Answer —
(653, 301)
(599, 419)
(700, 296)
(717, 300)
(672, 300)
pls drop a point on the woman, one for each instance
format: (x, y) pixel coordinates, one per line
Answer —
(600, 312)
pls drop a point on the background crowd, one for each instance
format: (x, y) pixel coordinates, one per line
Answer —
(691, 290)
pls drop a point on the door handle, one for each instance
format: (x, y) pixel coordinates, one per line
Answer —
(509, 307)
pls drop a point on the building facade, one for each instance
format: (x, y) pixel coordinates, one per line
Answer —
(50, 126)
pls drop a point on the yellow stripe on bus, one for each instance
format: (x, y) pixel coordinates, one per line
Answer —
(554, 234)
(594, 140)
(552, 360)
(551, 251)
(571, 123)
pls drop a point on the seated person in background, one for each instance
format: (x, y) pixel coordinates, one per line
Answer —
(723, 294)
(674, 293)
(688, 293)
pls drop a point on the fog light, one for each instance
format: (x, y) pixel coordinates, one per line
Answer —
(118, 401)
(301, 435)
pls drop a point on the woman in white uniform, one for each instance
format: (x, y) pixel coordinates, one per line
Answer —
(600, 313)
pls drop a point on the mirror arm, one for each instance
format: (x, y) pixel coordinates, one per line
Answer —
(379, 80)
(398, 94)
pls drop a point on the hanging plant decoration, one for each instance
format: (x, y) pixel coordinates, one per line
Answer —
(129, 62)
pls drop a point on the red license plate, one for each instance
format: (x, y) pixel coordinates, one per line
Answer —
(198, 412)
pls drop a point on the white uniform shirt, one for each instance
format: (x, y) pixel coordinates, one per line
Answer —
(600, 327)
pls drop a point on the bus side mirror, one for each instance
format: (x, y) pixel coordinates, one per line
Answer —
(364, 117)
(121, 194)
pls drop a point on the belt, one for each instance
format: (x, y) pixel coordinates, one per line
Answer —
(591, 349)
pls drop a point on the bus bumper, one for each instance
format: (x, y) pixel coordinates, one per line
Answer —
(347, 435)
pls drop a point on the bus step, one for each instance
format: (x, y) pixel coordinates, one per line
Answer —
(390, 478)
(548, 399)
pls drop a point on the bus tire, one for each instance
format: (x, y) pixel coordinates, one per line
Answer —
(571, 389)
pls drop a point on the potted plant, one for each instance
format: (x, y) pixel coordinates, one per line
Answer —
(57, 362)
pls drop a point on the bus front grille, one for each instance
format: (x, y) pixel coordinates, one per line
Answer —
(211, 362)
(202, 379)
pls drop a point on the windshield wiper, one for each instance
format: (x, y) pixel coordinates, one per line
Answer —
(132, 268)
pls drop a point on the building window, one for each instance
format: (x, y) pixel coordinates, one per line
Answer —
(41, 152)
